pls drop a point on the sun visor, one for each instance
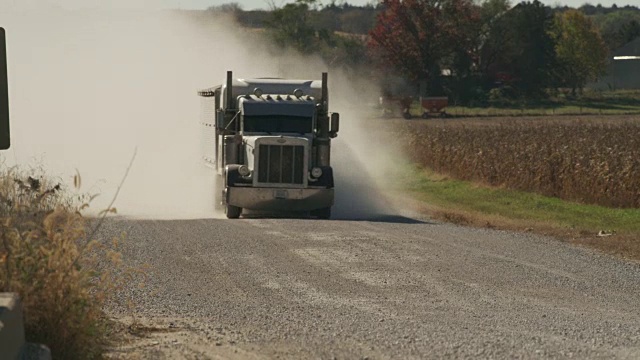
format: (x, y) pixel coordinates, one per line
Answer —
(284, 108)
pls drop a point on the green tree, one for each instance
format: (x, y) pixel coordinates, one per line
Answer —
(303, 27)
(491, 9)
(628, 32)
(491, 17)
(520, 50)
(618, 27)
(580, 50)
(231, 7)
(290, 25)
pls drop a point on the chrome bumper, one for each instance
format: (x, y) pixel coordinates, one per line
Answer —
(279, 199)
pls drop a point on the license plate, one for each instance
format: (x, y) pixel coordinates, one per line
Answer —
(281, 194)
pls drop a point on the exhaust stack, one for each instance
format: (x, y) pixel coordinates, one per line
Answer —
(323, 142)
(230, 102)
(325, 92)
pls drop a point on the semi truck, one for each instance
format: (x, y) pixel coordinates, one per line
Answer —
(269, 142)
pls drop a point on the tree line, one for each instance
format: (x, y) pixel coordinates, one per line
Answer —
(468, 50)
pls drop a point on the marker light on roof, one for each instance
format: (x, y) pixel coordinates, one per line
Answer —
(298, 93)
(257, 92)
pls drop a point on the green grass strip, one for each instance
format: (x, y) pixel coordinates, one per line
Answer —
(466, 196)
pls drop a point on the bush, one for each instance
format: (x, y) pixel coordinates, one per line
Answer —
(46, 257)
(496, 96)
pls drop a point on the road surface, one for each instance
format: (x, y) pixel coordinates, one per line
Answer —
(376, 288)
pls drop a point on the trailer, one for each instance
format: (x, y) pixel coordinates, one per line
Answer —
(434, 106)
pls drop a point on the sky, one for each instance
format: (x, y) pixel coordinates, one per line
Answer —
(251, 4)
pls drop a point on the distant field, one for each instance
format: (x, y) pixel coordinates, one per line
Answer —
(592, 160)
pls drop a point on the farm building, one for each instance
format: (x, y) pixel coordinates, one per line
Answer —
(624, 68)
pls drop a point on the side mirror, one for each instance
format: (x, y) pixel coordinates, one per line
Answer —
(335, 124)
(5, 141)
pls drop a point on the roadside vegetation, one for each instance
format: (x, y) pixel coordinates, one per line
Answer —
(48, 256)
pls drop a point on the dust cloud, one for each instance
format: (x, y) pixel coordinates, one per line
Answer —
(364, 166)
(91, 87)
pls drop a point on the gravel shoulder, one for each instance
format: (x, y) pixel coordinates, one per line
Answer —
(380, 288)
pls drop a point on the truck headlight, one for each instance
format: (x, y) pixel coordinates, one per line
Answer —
(244, 170)
(316, 172)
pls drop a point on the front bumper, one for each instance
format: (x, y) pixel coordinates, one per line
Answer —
(278, 199)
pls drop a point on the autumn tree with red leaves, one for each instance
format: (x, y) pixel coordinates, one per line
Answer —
(419, 38)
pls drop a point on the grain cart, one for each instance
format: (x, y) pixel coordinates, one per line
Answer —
(434, 106)
(269, 141)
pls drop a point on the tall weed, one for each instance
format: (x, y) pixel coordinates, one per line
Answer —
(47, 257)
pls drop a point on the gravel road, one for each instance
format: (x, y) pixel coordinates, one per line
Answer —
(378, 288)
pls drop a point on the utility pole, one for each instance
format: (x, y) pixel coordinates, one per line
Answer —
(5, 141)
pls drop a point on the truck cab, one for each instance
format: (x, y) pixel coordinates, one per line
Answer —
(269, 141)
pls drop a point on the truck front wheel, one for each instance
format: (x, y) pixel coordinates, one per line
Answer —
(323, 213)
(233, 212)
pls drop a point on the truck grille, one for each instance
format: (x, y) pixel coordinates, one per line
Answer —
(281, 164)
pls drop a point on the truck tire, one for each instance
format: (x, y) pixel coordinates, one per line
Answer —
(324, 213)
(233, 212)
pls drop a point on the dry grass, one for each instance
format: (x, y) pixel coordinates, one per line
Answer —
(588, 160)
(49, 259)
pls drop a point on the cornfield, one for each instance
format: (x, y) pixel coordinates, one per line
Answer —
(595, 161)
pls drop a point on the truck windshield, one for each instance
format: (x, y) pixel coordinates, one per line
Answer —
(278, 124)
